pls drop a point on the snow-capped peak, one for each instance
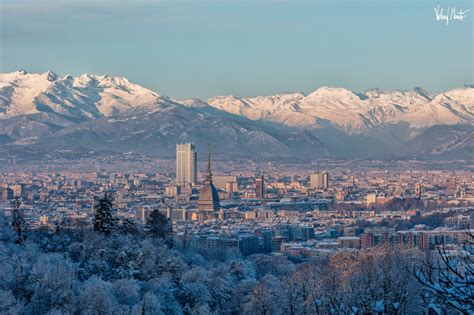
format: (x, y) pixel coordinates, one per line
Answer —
(191, 102)
(91, 96)
(354, 112)
(82, 97)
(50, 76)
(423, 93)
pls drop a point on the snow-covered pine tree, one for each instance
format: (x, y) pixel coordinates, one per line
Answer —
(160, 226)
(18, 222)
(104, 219)
(129, 226)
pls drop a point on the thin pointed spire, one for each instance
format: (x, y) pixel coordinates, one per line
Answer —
(209, 158)
(208, 196)
(208, 174)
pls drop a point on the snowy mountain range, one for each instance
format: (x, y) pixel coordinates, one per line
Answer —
(104, 113)
(356, 113)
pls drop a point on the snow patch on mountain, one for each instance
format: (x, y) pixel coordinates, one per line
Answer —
(352, 112)
(35, 107)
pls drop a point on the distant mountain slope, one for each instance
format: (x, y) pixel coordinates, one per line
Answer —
(356, 113)
(158, 132)
(430, 141)
(80, 98)
(89, 112)
(462, 145)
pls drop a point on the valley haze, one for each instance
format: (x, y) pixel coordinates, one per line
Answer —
(43, 112)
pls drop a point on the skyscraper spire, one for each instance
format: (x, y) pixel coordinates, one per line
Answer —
(208, 196)
(208, 173)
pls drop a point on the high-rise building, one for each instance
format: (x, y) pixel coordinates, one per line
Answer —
(451, 184)
(186, 164)
(319, 180)
(208, 196)
(418, 191)
(6, 194)
(259, 187)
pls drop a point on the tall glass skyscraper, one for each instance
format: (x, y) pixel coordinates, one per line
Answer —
(186, 164)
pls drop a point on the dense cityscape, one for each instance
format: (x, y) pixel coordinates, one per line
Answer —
(302, 213)
(236, 157)
(313, 213)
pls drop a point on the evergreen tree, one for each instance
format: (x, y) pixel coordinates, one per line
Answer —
(18, 222)
(160, 226)
(129, 227)
(104, 220)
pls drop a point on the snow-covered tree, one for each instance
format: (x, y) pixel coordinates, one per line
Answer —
(96, 297)
(278, 266)
(365, 281)
(194, 289)
(82, 272)
(104, 220)
(151, 304)
(52, 278)
(6, 232)
(300, 289)
(18, 221)
(160, 226)
(128, 226)
(265, 299)
(8, 303)
(164, 290)
(449, 278)
(126, 292)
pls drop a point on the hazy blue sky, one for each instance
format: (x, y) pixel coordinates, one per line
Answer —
(245, 48)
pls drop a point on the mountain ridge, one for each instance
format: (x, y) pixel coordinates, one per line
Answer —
(45, 109)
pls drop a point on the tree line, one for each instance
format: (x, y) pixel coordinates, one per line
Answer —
(110, 270)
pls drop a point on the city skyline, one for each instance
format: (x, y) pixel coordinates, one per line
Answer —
(137, 221)
(341, 177)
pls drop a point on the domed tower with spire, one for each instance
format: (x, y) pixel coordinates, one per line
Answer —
(208, 197)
